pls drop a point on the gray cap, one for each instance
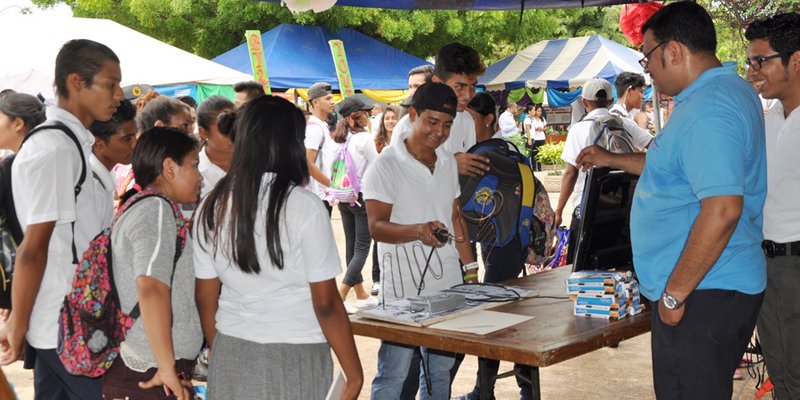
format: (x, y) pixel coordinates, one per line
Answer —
(597, 89)
(318, 90)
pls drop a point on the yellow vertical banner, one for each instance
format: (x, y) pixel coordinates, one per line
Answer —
(342, 69)
(257, 61)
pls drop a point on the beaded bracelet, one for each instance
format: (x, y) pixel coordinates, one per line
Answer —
(470, 277)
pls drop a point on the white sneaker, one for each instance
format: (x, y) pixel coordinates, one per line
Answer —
(370, 301)
(350, 309)
(376, 288)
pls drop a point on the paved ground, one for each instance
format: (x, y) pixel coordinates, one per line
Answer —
(620, 373)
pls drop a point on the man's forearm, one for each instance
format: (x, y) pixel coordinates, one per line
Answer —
(708, 238)
(28, 273)
(631, 163)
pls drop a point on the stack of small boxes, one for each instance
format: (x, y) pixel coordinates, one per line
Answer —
(604, 294)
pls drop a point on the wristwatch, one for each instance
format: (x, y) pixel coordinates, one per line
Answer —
(670, 301)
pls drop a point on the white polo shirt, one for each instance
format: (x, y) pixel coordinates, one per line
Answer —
(416, 196)
(508, 126)
(580, 137)
(317, 132)
(362, 151)
(462, 133)
(105, 185)
(44, 175)
(782, 207)
(210, 171)
(274, 306)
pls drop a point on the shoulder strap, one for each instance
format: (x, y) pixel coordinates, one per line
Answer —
(8, 211)
(321, 143)
(180, 237)
(58, 125)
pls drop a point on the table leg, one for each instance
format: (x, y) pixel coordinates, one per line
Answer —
(486, 390)
(536, 390)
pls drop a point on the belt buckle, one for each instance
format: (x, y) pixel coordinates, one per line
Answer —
(769, 248)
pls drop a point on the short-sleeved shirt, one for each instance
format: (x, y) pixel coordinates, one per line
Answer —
(211, 172)
(782, 207)
(44, 175)
(362, 151)
(713, 145)
(105, 185)
(580, 137)
(317, 133)
(416, 196)
(538, 123)
(462, 133)
(507, 125)
(143, 244)
(273, 306)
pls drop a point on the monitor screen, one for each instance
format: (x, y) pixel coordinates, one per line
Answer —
(604, 239)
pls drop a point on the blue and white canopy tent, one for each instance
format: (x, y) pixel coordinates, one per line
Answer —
(484, 5)
(562, 64)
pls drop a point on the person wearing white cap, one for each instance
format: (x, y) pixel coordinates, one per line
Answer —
(596, 97)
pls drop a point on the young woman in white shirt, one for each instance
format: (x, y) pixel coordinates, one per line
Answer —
(215, 156)
(19, 113)
(538, 128)
(267, 243)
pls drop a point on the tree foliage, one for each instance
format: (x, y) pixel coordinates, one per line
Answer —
(211, 27)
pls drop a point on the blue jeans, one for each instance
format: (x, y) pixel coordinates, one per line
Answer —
(394, 360)
(358, 240)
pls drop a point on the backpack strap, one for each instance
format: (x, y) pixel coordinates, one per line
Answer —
(180, 237)
(352, 174)
(60, 126)
(8, 212)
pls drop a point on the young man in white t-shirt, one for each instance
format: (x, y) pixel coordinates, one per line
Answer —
(44, 174)
(596, 97)
(411, 191)
(320, 147)
(630, 94)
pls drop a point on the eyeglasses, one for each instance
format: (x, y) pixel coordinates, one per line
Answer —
(755, 62)
(644, 62)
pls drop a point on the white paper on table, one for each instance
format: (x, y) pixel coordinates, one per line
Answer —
(481, 322)
(336, 392)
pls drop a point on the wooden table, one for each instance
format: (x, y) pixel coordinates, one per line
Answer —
(552, 336)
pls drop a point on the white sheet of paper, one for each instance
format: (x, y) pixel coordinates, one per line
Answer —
(481, 322)
(336, 392)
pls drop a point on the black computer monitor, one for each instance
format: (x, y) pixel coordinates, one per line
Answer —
(603, 239)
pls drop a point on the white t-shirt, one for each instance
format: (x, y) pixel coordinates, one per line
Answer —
(211, 172)
(416, 196)
(781, 208)
(462, 133)
(375, 123)
(105, 184)
(622, 112)
(508, 127)
(317, 132)
(362, 151)
(535, 123)
(44, 175)
(580, 137)
(274, 306)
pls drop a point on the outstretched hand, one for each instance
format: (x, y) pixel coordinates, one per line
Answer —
(471, 164)
(593, 156)
(11, 343)
(173, 385)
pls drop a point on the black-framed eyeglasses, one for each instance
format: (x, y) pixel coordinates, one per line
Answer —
(755, 62)
(644, 62)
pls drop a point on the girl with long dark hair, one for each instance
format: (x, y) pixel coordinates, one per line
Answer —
(268, 244)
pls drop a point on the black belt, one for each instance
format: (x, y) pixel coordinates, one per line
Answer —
(772, 249)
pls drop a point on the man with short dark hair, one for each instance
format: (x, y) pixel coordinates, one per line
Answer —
(55, 219)
(630, 94)
(696, 220)
(419, 76)
(320, 147)
(773, 61)
(246, 91)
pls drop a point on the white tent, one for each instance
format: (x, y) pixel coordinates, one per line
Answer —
(30, 44)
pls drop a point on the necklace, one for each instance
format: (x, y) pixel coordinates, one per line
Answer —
(429, 164)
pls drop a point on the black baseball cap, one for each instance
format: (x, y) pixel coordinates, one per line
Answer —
(351, 105)
(435, 96)
(133, 92)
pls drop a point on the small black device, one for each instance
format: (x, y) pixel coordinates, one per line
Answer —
(442, 235)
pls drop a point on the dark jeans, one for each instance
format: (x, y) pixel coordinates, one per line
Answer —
(356, 233)
(52, 382)
(696, 358)
(502, 264)
(534, 151)
(573, 235)
(376, 267)
(779, 326)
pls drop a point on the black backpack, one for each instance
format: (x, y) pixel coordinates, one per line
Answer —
(10, 231)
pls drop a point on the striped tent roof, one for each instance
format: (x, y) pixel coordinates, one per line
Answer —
(562, 63)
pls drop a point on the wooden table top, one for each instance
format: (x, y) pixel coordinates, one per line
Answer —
(552, 336)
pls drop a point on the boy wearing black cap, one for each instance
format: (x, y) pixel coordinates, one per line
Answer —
(411, 192)
(319, 146)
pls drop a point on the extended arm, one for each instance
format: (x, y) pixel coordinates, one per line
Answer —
(567, 186)
(206, 292)
(313, 169)
(383, 230)
(596, 156)
(461, 237)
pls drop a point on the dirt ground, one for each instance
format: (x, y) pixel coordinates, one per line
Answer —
(609, 373)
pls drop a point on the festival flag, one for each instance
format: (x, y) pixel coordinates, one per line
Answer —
(257, 61)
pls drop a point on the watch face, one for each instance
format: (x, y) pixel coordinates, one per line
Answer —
(670, 302)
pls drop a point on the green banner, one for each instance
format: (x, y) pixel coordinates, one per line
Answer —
(517, 95)
(342, 69)
(257, 61)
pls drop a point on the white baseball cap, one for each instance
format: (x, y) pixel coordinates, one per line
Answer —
(597, 89)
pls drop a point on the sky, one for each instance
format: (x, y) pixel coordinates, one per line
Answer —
(13, 7)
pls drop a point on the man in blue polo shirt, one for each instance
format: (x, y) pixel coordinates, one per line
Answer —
(696, 222)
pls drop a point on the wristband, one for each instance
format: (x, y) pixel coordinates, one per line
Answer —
(470, 276)
(467, 267)
(419, 232)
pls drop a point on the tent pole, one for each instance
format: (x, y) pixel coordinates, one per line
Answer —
(656, 110)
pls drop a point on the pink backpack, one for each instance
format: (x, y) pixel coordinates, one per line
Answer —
(91, 325)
